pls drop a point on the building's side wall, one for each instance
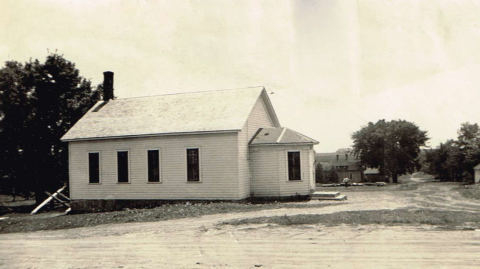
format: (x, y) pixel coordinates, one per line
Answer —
(477, 176)
(356, 176)
(218, 168)
(265, 171)
(259, 118)
(270, 171)
(311, 160)
(288, 188)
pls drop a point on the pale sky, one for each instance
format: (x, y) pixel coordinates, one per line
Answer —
(333, 65)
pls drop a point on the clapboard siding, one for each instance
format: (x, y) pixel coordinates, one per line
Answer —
(218, 168)
(311, 156)
(270, 174)
(265, 181)
(258, 118)
(243, 166)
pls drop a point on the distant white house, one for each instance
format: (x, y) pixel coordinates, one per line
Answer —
(217, 145)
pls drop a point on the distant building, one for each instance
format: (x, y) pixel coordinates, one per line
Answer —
(372, 175)
(344, 163)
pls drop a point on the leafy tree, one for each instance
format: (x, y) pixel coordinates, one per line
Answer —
(331, 176)
(16, 86)
(392, 147)
(319, 174)
(469, 146)
(455, 159)
(39, 102)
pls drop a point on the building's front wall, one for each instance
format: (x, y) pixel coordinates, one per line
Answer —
(259, 118)
(270, 171)
(218, 168)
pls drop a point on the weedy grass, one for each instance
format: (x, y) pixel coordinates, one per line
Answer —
(27, 223)
(446, 219)
(470, 191)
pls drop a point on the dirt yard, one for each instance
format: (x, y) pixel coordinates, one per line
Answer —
(204, 243)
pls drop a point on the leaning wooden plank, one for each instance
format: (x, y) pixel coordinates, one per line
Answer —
(57, 199)
(64, 196)
(46, 201)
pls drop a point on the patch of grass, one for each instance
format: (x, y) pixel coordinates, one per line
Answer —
(382, 217)
(27, 223)
(470, 191)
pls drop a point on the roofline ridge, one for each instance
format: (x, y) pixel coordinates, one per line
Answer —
(281, 135)
(179, 93)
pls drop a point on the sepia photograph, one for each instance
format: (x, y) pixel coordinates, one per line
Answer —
(239, 134)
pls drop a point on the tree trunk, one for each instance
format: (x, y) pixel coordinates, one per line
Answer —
(394, 178)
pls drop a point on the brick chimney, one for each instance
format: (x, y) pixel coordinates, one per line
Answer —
(107, 85)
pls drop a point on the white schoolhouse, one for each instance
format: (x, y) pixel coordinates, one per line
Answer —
(216, 145)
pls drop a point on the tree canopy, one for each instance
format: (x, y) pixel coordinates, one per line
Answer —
(39, 102)
(455, 159)
(391, 146)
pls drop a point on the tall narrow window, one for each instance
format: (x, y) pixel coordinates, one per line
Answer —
(154, 165)
(337, 157)
(94, 167)
(294, 172)
(122, 166)
(193, 165)
(346, 157)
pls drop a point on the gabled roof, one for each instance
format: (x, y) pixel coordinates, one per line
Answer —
(332, 157)
(276, 136)
(477, 167)
(352, 163)
(213, 111)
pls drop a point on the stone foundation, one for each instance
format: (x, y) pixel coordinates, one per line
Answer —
(92, 206)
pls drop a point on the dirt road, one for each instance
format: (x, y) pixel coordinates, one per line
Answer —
(201, 243)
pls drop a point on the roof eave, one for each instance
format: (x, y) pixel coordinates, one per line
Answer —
(150, 135)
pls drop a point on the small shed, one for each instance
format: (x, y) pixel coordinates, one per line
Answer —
(477, 173)
(372, 175)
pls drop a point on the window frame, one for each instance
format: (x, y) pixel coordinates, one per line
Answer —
(299, 165)
(199, 165)
(128, 166)
(99, 167)
(159, 166)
